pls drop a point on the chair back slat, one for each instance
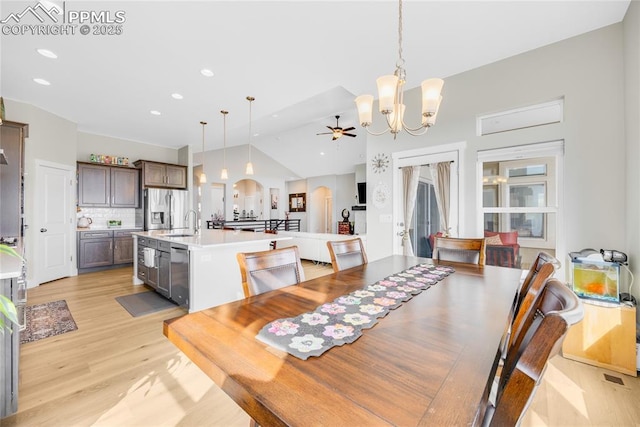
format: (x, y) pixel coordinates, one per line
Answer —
(268, 270)
(469, 251)
(346, 253)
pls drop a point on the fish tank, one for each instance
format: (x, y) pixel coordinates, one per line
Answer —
(596, 280)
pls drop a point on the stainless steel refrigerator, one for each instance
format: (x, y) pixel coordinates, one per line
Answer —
(165, 209)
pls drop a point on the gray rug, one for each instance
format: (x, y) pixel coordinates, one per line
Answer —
(144, 303)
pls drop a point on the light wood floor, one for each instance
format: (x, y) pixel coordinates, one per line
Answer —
(117, 370)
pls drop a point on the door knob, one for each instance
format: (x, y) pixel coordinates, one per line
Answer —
(43, 230)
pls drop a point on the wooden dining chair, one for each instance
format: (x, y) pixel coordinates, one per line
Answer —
(544, 266)
(346, 253)
(552, 312)
(469, 251)
(268, 270)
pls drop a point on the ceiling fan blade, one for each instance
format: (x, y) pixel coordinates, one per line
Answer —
(335, 137)
(348, 129)
(350, 134)
(325, 133)
(330, 128)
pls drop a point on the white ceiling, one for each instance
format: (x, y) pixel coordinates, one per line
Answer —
(303, 61)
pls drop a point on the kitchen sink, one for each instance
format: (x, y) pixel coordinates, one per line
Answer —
(177, 235)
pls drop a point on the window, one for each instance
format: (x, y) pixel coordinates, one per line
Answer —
(519, 193)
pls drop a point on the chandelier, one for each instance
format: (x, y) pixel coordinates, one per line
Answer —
(391, 102)
(249, 168)
(203, 176)
(224, 174)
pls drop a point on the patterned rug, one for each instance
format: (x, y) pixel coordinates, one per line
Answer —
(47, 320)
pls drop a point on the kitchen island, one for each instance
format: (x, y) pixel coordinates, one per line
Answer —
(213, 271)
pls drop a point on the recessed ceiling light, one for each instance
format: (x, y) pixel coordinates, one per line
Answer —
(41, 81)
(47, 53)
(155, 112)
(176, 96)
(322, 153)
(207, 73)
(275, 116)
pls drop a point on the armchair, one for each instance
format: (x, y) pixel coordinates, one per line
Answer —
(502, 249)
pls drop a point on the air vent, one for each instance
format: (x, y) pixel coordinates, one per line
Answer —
(612, 379)
(520, 118)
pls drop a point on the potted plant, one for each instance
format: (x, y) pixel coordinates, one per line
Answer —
(6, 305)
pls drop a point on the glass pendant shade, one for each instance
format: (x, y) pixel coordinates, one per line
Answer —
(249, 170)
(364, 103)
(431, 98)
(387, 88)
(203, 178)
(395, 119)
(224, 174)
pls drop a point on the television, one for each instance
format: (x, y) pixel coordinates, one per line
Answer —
(362, 193)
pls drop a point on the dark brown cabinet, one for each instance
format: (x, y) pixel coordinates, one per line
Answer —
(108, 186)
(101, 249)
(12, 137)
(95, 249)
(155, 174)
(122, 247)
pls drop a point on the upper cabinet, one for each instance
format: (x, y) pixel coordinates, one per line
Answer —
(108, 186)
(165, 175)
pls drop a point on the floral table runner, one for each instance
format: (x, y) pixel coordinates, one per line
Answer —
(343, 320)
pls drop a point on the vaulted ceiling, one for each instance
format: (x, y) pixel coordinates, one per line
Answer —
(303, 61)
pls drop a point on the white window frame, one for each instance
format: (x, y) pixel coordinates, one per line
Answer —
(554, 201)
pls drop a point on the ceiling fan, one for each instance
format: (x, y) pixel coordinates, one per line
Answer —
(337, 131)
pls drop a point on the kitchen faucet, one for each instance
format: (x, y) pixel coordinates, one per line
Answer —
(195, 220)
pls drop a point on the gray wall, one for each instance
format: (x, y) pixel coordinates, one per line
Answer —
(598, 74)
(588, 72)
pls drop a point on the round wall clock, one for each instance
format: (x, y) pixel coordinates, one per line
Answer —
(379, 163)
(381, 195)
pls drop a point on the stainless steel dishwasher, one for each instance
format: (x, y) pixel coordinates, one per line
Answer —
(180, 274)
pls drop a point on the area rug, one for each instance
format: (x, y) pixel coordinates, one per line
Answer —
(144, 303)
(47, 320)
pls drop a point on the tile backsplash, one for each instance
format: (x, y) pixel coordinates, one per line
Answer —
(99, 216)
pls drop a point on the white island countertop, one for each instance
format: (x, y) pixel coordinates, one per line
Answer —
(10, 266)
(208, 238)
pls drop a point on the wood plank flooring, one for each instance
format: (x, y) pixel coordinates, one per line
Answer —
(117, 370)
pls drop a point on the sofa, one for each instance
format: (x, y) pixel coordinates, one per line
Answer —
(313, 246)
(502, 249)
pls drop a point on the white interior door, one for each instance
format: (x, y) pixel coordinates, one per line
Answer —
(54, 221)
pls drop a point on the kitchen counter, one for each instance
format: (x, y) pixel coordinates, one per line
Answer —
(214, 273)
(104, 227)
(10, 266)
(208, 238)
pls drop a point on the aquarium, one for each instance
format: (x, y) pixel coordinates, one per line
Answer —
(598, 280)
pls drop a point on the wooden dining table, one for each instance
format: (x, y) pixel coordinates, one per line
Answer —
(426, 362)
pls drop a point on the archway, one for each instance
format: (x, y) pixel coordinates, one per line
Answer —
(248, 200)
(321, 211)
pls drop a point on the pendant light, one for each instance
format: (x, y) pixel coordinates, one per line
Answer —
(203, 176)
(249, 169)
(391, 98)
(224, 174)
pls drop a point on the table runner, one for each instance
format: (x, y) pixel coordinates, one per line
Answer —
(342, 321)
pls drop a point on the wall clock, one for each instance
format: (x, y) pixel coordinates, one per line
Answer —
(381, 195)
(379, 163)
